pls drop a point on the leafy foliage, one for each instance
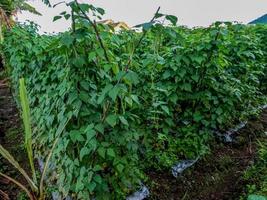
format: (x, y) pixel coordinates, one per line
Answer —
(12, 6)
(153, 100)
(256, 175)
(35, 192)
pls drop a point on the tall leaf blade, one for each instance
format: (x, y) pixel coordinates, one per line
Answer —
(27, 124)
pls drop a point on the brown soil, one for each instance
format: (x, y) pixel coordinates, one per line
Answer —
(11, 138)
(218, 176)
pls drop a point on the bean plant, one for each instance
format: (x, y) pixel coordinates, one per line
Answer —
(135, 100)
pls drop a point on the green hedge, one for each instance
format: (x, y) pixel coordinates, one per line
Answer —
(131, 115)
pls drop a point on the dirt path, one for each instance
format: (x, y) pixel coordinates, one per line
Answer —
(218, 176)
(12, 139)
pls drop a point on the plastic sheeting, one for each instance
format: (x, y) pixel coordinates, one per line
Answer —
(179, 168)
(57, 196)
(263, 107)
(140, 194)
(41, 164)
(228, 135)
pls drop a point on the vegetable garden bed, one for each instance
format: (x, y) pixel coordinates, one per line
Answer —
(126, 107)
(217, 176)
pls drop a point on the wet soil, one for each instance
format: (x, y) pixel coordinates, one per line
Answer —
(217, 176)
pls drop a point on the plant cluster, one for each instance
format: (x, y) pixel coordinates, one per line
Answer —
(35, 192)
(133, 100)
(256, 175)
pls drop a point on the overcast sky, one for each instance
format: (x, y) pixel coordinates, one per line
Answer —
(189, 12)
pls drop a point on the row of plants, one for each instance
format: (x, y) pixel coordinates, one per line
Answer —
(131, 101)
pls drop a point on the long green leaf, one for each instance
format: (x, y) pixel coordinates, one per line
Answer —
(27, 124)
(27, 7)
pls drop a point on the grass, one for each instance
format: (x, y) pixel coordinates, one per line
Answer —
(256, 175)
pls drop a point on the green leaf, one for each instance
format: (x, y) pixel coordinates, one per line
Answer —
(146, 26)
(167, 74)
(84, 151)
(97, 168)
(100, 11)
(79, 185)
(27, 123)
(135, 99)
(159, 15)
(99, 128)
(90, 176)
(187, 87)
(195, 78)
(111, 120)
(93, 144)
(84, 96)
(132, 77)
(173, 19)
(67, 16)
(67, 40)
(92, 56)
(198, 59)
(102, 152)
(98, 179)
(120, 168)
(90, 133)
(85, 85)
(111, 152)
(123, 120)
(219, 111)
(76, 136)
(182, 73)
(114, 92)
(166, 109)
(84, 7)
(79, 61)
(91, 186)
(115, 69)
(46, 2)
(103, 93)
(56, 18)
(197, 116)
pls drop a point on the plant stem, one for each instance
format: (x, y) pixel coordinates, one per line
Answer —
(19, 185)
(94, 25)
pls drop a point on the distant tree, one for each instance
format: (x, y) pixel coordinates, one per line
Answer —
(9, 8)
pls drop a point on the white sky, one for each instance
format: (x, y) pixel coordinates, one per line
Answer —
(133, 12)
